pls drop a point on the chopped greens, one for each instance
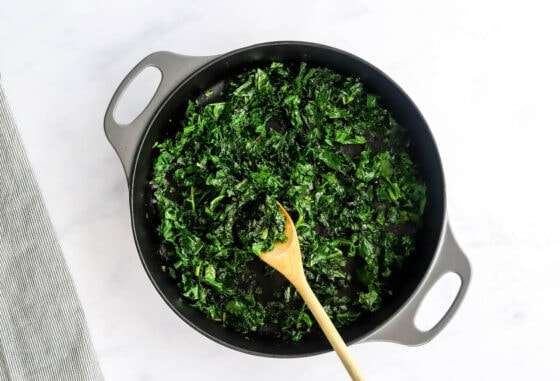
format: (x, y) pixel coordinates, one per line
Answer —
(325, 148)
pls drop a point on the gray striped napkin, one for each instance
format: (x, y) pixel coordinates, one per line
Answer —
(43, 332)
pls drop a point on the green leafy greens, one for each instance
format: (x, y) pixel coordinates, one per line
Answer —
(326, 149)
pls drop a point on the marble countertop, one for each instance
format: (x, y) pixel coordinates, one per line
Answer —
(485, 76)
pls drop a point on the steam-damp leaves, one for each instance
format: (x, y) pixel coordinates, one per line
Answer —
(314, 140)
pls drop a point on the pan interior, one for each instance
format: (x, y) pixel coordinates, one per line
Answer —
(212, 76)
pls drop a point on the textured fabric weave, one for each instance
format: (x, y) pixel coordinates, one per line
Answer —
(43, 332)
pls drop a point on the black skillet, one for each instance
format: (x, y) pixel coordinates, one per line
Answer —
(186, 77)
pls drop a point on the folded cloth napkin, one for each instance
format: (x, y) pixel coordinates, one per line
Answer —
(43, 332)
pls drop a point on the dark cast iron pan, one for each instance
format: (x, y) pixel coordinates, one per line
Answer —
(186, 77)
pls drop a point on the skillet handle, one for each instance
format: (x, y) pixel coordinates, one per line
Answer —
(174, 69)
(401, 328)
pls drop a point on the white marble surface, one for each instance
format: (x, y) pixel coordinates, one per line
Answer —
(485, 75)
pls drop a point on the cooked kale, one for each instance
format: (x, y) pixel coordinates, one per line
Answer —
(324, 147)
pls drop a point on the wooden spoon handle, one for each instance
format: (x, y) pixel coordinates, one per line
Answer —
(329, 329)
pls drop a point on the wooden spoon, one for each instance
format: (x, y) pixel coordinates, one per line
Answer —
(286, 258)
